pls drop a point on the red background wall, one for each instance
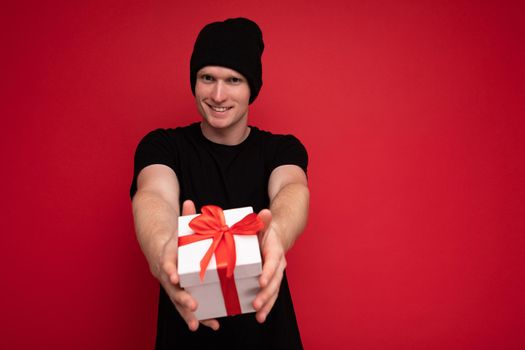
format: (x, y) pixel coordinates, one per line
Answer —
(413, 116)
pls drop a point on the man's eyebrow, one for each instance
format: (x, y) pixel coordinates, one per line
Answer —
(225, 77)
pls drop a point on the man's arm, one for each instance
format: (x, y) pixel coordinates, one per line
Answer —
(284, 222)
(156, 211)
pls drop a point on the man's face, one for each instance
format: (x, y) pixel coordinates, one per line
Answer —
(222, 96)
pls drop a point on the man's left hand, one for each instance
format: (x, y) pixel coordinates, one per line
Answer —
(274, 263)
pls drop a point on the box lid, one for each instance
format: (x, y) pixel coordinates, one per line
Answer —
(248, 261)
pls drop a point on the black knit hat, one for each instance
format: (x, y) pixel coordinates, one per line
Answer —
(235, 43)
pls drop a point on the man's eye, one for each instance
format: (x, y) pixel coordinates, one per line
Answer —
(206, 77)
(235, 80)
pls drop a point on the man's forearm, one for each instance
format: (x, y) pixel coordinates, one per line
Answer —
(155, 223)
(289, 210)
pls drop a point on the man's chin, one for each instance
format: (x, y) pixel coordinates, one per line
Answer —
(216, 123)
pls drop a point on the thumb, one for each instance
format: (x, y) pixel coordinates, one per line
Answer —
(188, 207)
(266, 216)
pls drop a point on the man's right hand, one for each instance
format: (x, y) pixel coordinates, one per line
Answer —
(169, 279)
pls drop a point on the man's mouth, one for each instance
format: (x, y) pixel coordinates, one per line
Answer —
(219, 109)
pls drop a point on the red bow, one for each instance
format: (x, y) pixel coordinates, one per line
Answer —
(211, 224)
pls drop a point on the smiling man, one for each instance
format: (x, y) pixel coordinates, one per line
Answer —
(222, 160)
(222, 97)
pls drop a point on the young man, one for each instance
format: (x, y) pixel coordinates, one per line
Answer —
(222, 161)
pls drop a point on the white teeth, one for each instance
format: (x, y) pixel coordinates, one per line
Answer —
(219, 109)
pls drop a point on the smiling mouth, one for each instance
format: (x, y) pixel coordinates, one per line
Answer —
(219, 109)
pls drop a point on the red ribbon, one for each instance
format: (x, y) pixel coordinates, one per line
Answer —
(211, 224)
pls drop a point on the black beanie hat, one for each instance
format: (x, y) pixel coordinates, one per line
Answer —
(235, 43)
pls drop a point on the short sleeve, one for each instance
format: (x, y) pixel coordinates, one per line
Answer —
(157, 147)
(289, 150)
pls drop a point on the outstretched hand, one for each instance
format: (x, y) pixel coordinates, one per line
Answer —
(169, 279)
(274, 263)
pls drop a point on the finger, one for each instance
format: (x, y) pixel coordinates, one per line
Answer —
(174, 278)
(212, 323)
(169, 265)
(173, 275)
(184, 303)
(170, 269)
(270, 265)
(261, 315)
(266, 216)
(184, 299)
(186, 307)
(271, 290)
(266, 298)
(188, 207)
(189, 318)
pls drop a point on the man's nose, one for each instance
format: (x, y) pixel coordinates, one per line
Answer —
(218, 93)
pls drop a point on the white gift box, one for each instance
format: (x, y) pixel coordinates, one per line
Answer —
(208, 292)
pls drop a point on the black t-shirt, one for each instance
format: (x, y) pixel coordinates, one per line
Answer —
(230, 177)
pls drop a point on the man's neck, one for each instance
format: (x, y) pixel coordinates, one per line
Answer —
(229, 136)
